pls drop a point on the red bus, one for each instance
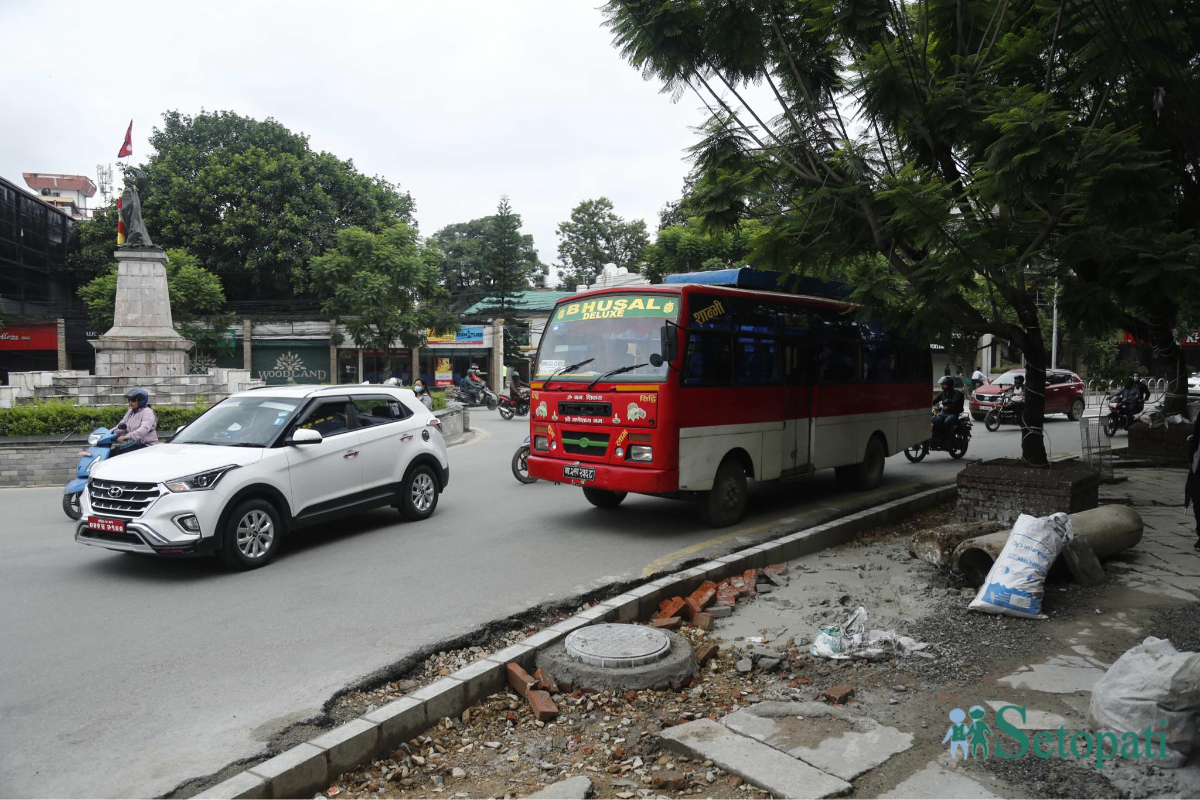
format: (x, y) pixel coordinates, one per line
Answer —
(688, 390)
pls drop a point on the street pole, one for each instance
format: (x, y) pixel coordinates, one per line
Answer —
(1054, 331)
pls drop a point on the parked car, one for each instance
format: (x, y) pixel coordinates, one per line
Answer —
(262, 463)
(1194, 386)
(1064, 393)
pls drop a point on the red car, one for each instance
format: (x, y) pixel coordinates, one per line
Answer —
(1064, 393)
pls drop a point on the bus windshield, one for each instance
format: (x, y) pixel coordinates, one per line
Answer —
(612, 332)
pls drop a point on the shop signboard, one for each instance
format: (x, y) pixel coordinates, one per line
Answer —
(290, 362)
(30, 336)
(443, 375)
(465, 336)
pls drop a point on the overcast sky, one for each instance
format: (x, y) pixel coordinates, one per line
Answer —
(458, 102)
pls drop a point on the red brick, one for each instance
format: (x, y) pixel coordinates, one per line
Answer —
(631, 696)
(672, 779)
(519, 679)
(670, 608)
(750, 578)
(670, 623)
(703, 621)
(706, 652)
(543, 707)
(698, 600)
(775, 569)
(566, 688)
(544, 682)
(838, 694)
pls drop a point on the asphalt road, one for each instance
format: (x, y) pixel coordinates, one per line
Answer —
(125, 675)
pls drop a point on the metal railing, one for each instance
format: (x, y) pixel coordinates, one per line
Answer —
(1097, 446)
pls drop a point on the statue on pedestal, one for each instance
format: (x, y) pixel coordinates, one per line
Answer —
(136, 234)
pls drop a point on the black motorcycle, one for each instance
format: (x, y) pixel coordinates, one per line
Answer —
(1119, 418)
(520, 464)
(956, 446)
(470, 399)
(1006, 410)
(517, 406)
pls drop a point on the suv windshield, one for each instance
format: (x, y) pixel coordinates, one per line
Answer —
(615, 332)
(248, 421)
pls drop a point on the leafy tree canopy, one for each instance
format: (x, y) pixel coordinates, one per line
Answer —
(595, 236)
(690, 247)
(488, 258)
(384, 287)
(253, 202)
(952, 156)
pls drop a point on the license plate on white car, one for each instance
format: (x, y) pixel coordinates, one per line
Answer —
(106, 525)
(574, 472)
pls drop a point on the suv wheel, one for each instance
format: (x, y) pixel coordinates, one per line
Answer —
(251, 535)
(419, 494)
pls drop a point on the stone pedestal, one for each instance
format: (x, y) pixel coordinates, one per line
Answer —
(1002, 489)
(142, 343)
(1166, 444)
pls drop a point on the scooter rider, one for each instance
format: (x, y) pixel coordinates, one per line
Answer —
(1129, 398)
(949, 404)
(140, 423)
(474, 385)
(1143, 389)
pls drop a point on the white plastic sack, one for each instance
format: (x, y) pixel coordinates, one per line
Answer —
(1152, 685)
(851, 639)
(1015, 582)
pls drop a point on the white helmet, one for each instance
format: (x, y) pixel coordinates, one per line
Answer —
(392, 382)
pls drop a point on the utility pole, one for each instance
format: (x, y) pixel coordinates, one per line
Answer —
(1054, 331)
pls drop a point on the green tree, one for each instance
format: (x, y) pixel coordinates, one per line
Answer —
(194, 291)
(96, 241)
(981, 150)
(488, 259)
(254, 203)
(384, 287)
(464, 274)
(594, 236)
(689, 247)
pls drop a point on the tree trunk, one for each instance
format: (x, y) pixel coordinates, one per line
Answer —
(1033, 443)
(1166, 346)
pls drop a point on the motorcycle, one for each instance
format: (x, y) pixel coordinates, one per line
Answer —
(1006, 410)
(514, 406)
(956, 446)
(100, 444)
(1119, 418)
(471, 400)
(520, 464)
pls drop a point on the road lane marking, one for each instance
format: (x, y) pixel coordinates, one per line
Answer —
(659, 563)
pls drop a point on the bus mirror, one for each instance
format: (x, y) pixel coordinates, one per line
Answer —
(668, 344)
(656, 360)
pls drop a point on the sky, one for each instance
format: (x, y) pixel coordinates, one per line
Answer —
(457, 102)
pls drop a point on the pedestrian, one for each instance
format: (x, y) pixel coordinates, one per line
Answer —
(1191, 490)
(422, 395)
(977, 378)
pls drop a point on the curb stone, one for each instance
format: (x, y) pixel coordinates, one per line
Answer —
(304, 769)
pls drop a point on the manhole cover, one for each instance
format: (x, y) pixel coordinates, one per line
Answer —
(618, 645)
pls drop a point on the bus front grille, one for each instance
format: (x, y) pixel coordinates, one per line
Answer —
(585, 443)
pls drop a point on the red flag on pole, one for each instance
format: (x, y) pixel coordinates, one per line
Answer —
(127, 147)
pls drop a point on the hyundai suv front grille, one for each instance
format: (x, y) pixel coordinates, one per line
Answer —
(120, 499)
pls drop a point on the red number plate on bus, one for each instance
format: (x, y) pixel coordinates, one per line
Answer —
(573, 472)
(106, 525)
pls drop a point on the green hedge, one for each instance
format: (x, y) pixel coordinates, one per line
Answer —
(61, 418)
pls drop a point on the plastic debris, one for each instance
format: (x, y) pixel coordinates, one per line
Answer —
(851, 639)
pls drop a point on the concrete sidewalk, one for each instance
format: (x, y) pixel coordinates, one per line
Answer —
(763, 716)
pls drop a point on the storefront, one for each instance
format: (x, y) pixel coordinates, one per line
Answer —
(445, 358)
(279, 362)
(28, 347)
(377, 365)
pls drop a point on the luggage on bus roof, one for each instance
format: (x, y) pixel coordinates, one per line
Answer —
(769, 280)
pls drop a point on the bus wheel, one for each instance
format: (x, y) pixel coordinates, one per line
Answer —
(725, 504)
(869, 473)
(602, 498)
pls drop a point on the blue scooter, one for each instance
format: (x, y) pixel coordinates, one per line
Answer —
(99, 448)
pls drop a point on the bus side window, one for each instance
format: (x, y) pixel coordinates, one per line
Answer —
(756, 362)
(797, 364)
(708, 360)
(879, 362)
(839, 361)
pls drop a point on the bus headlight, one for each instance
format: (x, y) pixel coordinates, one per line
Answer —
(641, 452)
(541, 444)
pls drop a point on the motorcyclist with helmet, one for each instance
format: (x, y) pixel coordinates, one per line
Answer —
(950, 405)
(140, 423)
(474, 385)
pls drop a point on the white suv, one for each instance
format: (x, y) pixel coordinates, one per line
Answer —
(262, 463)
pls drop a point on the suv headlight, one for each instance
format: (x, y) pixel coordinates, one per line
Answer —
(201, 481)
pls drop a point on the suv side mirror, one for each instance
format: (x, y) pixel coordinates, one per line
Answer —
(306, 436)
(181, 427)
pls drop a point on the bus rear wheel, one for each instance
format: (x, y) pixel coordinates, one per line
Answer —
(602, 498)
(869, 473)
(726, 503)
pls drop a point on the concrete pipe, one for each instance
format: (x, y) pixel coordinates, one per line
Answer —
(1108, 530)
